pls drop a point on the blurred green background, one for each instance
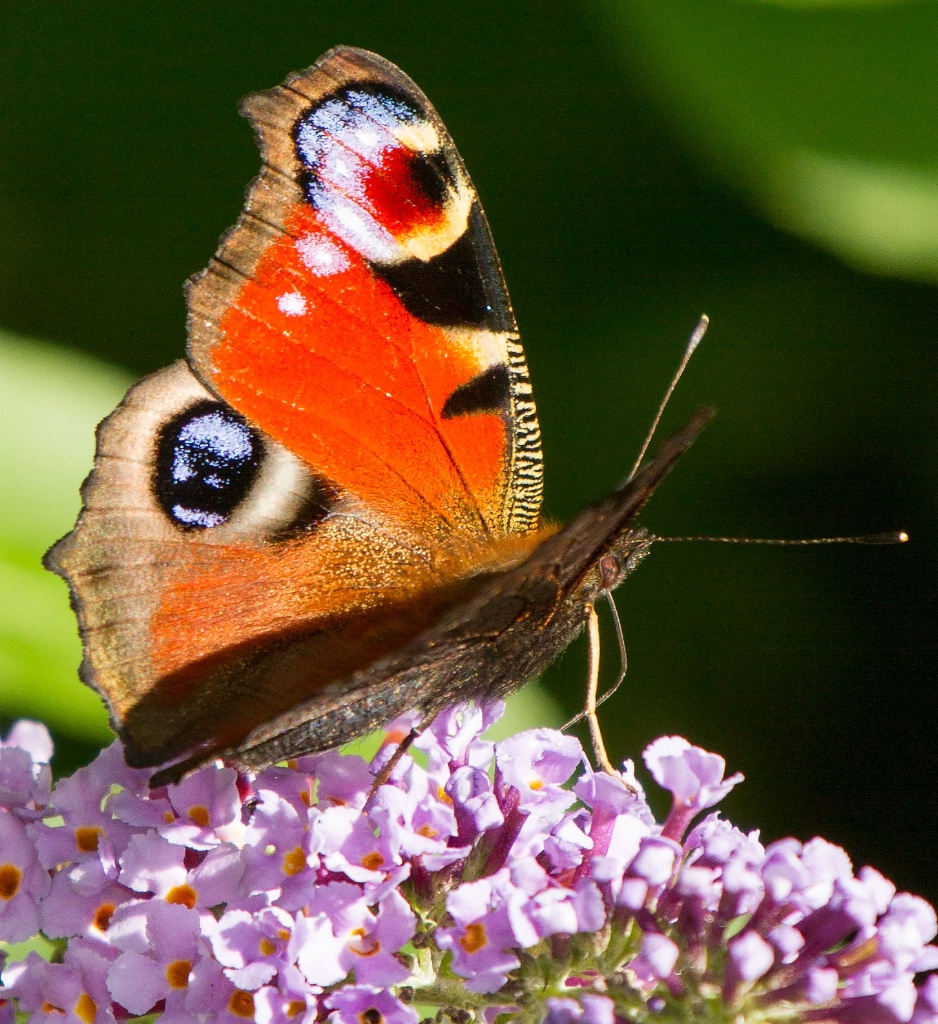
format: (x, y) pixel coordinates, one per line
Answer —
(775, 165)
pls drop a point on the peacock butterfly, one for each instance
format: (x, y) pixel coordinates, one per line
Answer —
(330, 513)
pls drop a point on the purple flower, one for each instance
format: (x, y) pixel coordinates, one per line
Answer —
(89, 830)
(33, 737)
(71, 992)
(23, 881)
(276, 853)
(161, 944)
(357, 1003)
(341, 779)
(206, 805)
(340, 934)
(906, 925)
(588, 1009)
(417, 822)
(482, 938)
(693, 776)
(537, 764)
(454, 737)
(349, 845)
(750, 956)
(81, 901)
(288, 1000)
(475, 806)
(658, 957)
(24, 783)
(152, 866)
(544, 889)
(252, 947)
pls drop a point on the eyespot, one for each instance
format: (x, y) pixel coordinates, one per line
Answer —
(206, 462)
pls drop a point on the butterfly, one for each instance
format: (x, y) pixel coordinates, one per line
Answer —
(330, 512)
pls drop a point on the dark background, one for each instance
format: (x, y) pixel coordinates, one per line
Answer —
(625, 160)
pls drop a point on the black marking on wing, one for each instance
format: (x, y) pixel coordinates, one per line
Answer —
(489, 391)
(459, 288)
(446, 291)
(433, 175)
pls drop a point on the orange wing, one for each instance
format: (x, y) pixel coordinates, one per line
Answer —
(357, 311)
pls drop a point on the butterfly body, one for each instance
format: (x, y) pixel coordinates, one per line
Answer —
(331, 513)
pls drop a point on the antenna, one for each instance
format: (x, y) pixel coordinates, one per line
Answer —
(889, 537)
(696, 337)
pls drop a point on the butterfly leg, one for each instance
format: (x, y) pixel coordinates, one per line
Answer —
(593, 700)
(610, 574)
(623, 653)
(403, 746)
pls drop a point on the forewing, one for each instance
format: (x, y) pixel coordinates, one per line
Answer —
(357, 311)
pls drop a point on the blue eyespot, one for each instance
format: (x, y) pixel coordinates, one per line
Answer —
(206, 461)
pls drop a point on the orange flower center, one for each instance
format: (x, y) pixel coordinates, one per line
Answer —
(241, 1004)
(87, 836)
(362, 944)
(198, 815)
(475, 938)
(102, 916)
(294, 861)
(372, 861)
(10, 878)
(182, 894)
(86, 1008)
(177, 973)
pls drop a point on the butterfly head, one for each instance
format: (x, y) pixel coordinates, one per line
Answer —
(615, 566)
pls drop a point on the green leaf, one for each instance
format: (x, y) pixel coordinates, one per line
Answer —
(50, 401)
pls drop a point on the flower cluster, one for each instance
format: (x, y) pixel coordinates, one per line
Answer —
(479, 880)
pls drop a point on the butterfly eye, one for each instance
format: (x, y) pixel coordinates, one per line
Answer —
(207, 459)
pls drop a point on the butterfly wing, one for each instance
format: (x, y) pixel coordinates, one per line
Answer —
(358, 313)
(354, 435)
